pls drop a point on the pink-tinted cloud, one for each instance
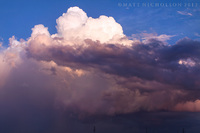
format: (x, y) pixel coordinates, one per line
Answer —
(190, 106)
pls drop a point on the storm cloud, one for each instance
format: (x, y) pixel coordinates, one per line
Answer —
(91, 68)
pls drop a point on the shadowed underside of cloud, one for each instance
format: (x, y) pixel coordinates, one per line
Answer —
(90, 67)
(154, 61)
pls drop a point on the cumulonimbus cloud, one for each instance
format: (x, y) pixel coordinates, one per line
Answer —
(92, 67)
(76, 25)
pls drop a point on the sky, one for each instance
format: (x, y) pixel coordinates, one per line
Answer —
(120, 66)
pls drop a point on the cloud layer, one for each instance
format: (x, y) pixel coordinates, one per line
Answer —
(91, 68)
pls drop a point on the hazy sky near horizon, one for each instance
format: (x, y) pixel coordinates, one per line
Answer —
(121, 65)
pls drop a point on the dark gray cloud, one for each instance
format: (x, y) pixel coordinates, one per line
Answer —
(149, 76)
(153, 61)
